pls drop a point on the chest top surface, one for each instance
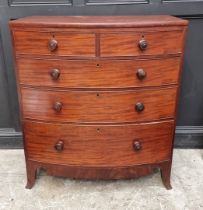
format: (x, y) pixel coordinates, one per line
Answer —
(98, 21)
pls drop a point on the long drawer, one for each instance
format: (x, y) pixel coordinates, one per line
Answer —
(98, 73)
(98, 106)
(99, 145)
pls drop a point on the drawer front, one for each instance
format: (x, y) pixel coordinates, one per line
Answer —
(61, 44)
(127, 44)
(99, 73)
(100, 106)
(115, 145)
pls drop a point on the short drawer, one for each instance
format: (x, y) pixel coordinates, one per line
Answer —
(60, 44)
(141, 44)
(100, 106)
(113, 145)
(98, 74)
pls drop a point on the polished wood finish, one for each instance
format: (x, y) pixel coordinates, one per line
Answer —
(94, 172)
(68, 44)
(96, 73)
(97, 21)
(98, 96)
(98, 106)
(99, 144)
(127, 44)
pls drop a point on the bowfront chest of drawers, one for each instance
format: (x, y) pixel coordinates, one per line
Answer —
(98, 95)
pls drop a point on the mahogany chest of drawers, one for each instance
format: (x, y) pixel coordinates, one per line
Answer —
(98, 95)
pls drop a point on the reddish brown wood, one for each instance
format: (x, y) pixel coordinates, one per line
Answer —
(97, 44)
(31, 174)
(127, 44)
(97, 30)
(98, 73)
(93, 172)
(98, 21)
(98, 106)
(68, 44)
(98, 59)
(166, 174)
(99, 145)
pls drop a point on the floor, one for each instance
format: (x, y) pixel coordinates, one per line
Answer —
(146, 193)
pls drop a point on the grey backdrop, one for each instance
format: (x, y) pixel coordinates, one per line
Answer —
(189, 132)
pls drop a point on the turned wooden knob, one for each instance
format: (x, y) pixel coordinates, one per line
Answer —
(57, 106)
(137, 146)
(139, 107)
(59, 145)
(141, 74)
(52, 45)
(143, 44)
(55, 74)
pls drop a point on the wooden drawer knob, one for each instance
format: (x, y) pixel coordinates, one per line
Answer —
(52, 45)
(55, 74)
(59, 145)
(139, 107)
(141, 74)
(57, 106)
(143, 44)
(137, 146)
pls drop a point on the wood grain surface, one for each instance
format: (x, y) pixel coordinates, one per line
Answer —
(98, 172)
(98, 145)
(100, 73)
(84, 123)
(69, 44)
(126, 44)
(98, 21)
(98, 106)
